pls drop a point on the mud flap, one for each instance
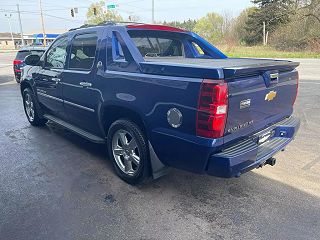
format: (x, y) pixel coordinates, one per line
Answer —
(157, 167)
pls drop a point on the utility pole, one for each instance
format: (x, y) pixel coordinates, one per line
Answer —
(42, 24)
(8, 16)
(264, 34)
(21, 32)
(152, 11)
(267, 35)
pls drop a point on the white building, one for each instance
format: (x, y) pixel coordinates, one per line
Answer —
(33, 38)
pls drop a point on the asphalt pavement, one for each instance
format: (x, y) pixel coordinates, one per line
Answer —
(56, 185)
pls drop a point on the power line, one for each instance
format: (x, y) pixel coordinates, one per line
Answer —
(66, 19)
(8, 16)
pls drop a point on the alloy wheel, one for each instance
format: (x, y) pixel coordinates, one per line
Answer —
(126, 152)
(29, 106)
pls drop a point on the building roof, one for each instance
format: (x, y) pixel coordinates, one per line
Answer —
(48, 31)
(8, 35)
(29, 48)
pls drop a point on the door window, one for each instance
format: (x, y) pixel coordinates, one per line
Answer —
(119, 57)
(56, 55)
(83, 51)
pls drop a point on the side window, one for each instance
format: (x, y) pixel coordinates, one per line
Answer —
(56, 55)
(117, 52)
(83, 51)
(119, 57)
(198, 48)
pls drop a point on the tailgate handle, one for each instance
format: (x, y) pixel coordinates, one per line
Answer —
(274, 77)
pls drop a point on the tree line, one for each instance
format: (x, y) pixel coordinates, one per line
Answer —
(289, 25)
(284, 24)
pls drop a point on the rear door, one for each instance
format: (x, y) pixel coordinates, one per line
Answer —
(80, 96)
(47, 80)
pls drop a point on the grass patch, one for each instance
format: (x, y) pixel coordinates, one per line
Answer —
(264, 52)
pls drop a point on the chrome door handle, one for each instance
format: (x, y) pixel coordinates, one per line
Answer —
(56, 79)
(85, 84)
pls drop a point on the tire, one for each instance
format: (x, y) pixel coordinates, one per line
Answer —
(31, 108)
(128, 150)
(18, 79)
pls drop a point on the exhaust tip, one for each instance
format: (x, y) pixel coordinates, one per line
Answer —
(271, 161)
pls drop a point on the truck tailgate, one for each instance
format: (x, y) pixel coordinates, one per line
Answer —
(259, 101)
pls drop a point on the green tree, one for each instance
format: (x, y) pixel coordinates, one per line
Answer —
(302, 32)
(187, 25)
(238, 31)
(102, 15)
(273, 12)
(210, 27)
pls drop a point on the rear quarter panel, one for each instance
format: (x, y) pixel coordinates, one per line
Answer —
(152, 96)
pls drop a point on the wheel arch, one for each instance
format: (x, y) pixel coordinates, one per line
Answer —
(24, 85)
(113, 112)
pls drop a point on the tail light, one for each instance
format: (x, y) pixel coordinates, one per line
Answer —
(297, 88)
(212, 109)
(16, 62)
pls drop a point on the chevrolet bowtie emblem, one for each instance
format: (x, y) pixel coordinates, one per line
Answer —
(270, 96)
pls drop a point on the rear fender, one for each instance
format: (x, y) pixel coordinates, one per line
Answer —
(110, 113)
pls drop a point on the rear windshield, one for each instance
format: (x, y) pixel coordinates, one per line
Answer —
(155, 44)
(22, 54)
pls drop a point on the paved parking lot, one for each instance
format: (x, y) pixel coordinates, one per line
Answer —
(56, 185)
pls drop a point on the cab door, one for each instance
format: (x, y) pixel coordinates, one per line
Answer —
(80, 97)
(47, 80)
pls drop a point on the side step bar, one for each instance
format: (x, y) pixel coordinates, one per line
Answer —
(75, 129)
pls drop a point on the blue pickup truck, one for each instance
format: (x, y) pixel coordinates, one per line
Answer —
(161, 97)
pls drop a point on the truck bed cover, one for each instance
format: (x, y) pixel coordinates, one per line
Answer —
(229, 67)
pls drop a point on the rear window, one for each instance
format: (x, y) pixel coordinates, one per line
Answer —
(151, 45)
(22, 54)
(154, 44)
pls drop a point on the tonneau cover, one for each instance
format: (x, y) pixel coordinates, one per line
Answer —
(214, 68)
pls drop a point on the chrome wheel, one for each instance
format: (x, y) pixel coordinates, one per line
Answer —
(29, 106)
(126, 152)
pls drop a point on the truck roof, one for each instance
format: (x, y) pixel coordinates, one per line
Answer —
(155, 27)
(134, 25)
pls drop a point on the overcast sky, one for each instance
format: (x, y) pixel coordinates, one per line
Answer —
(57, 12)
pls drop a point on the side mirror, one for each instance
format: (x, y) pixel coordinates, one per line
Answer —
(32, 60)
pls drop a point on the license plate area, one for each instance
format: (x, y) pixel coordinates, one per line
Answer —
(265, 137)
